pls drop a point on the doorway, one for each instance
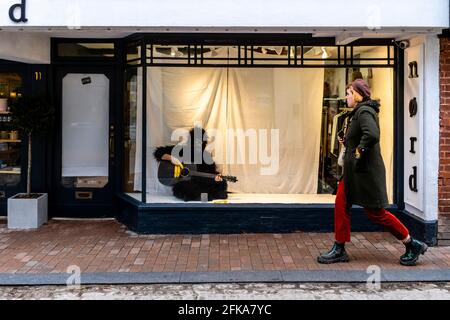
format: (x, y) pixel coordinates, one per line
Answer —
(84, 154)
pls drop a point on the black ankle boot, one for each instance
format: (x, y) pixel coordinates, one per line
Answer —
(414, 249)
(336, 254)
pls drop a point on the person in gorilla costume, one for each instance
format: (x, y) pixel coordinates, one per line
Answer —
(191, 190)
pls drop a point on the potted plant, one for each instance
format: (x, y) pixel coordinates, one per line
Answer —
(31, 115)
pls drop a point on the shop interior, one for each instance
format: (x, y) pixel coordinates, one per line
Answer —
(10, 143)
(287, 117)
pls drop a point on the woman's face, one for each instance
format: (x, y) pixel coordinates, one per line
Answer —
(357, 98)
(350, 100)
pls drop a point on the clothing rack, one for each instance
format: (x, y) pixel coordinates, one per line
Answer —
(328, 158)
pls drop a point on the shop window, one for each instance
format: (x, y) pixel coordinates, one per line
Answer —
(324, 55)
(85, 50)
(290, 115)
(10, 143)
(222, 55)
(133, 55)
(269, 55)
(381, 81)
(372, 55)
(133, 106)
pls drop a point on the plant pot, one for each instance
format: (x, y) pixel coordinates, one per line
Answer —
(27, 213)
(3, 104)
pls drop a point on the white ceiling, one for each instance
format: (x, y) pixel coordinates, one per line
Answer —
(120, 32)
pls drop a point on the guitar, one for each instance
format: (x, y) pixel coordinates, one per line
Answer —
(169, 174)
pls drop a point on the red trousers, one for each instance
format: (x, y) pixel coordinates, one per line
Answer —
(379, 216)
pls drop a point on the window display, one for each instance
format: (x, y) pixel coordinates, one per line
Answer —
(274, 128)
(10, 142)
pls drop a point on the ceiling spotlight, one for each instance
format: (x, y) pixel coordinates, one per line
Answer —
(325, 53)
(174, 52)
(279, 50)
(292, 53)
(315, 51)
(214, 52)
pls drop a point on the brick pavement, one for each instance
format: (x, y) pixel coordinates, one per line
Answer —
(107, 246)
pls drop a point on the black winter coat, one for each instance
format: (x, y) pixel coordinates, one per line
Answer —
(364, 178)
(191, 190)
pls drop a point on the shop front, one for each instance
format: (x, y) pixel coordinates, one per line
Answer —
(270, 97)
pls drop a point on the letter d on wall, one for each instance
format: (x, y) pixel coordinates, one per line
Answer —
(413, 180)
(22, 7)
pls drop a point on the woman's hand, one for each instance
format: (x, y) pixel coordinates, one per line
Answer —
(172, 159)
(175, 161)
(218, 178)
(341, 136)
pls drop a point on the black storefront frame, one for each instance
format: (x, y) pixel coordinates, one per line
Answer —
(305, 217)
(60, 63)
(211, 218)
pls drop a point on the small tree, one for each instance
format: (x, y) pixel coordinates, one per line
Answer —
(31, 115)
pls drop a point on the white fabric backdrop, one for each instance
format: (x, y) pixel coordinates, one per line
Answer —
(289, 100)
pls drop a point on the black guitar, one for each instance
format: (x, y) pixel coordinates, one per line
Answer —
(169, 174)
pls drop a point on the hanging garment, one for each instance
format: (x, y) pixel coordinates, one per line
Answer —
(339, 122)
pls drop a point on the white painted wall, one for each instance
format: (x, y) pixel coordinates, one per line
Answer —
(25, 47)
(425, 205)
(413, 127)
(431, 127)
(233, 13)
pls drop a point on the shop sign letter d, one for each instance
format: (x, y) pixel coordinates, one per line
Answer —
(21, 6)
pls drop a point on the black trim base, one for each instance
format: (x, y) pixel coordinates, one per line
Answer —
(248, 218)
(425, 231)
(252, 218)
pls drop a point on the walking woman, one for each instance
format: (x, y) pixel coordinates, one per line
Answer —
(364, 179)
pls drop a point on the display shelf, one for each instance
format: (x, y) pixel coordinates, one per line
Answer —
(9, 140)
(10, 170)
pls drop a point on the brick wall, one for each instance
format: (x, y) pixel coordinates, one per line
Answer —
(444, 164)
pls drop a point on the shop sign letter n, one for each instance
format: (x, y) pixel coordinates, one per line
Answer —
(18, 6)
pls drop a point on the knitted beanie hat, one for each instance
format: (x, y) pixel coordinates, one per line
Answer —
(360, 86)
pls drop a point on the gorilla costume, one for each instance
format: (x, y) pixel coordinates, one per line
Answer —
(191, 190)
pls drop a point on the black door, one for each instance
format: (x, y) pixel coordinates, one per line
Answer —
(84, 153)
